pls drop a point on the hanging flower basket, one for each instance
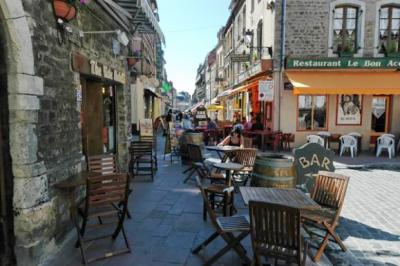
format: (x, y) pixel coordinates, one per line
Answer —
(64, 9)
(131, 61)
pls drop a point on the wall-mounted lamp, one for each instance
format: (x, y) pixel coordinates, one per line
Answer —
(271, 5)
(121, 36)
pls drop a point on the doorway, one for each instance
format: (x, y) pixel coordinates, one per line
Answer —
(380, 114)
(98, 117)
(6, 179)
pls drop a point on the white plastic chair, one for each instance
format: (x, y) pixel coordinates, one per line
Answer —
(388, 135)
(355, 134)
(385, 143)
(315, 139)
(348, 142)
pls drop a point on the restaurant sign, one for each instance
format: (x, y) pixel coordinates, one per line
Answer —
(82, 64)
(309, 159)
(347, 63)
(240, 57)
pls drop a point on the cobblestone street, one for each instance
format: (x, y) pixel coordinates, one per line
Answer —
(167, 223)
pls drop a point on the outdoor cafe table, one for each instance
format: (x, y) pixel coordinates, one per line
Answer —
(223, 151)
(70, 184)
(228, 167)
(289, 197)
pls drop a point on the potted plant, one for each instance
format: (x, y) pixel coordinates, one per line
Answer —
(347, 48)
(392, 49)
(66, 9)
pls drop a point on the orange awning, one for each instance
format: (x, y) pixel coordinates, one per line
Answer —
(344, 82)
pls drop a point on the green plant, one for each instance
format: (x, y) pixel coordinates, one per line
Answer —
(392, 46)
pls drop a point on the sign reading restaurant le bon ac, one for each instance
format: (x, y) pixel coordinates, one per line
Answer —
(349, 63)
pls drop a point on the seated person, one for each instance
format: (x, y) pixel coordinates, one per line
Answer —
(234, 139)
(247, 124)
(258, 125)
(211, 124)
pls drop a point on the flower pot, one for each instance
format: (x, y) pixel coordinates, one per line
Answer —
(346, 54)
(393, 54)
(131, 61)
(64, 10)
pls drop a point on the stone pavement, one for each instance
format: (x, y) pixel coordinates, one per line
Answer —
(167, 223)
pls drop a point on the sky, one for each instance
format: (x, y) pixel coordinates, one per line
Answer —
(190, 28)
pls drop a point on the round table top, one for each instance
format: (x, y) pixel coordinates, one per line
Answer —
(225, 148)
(229, 166)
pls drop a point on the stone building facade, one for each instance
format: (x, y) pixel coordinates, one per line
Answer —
(360, 45)
(42, 140)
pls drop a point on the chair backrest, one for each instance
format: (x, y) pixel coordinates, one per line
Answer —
(104, 190)
(275, 226)
(348, 140)
(330, 190)
(355, 134)
(103, 164)
(388, 135)
(245, 157)
(140, 149)
(385, 141)
(315, 139)
(209, 209)
(195, 153)
(151, 139)
(248, 142)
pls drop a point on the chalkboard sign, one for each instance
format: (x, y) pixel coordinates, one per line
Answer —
(309, 160)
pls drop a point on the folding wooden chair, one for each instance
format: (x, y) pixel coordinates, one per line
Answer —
(102, 193)
(225, 227)
(142, 160)
(329, 191)
(247, 158)
(153, 140)
(276, 233)
(105, 164)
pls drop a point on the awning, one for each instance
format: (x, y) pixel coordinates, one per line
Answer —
(143, 17)
(214, 107)
(194, 107)
(344, 82)
(153, 92)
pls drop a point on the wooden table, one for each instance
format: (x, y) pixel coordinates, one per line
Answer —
(223, 151)
(228, 167)
(289, 197)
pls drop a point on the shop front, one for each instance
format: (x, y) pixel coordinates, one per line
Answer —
(341, 96)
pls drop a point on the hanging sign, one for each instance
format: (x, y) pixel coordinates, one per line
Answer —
(266, 90)
(337, 63)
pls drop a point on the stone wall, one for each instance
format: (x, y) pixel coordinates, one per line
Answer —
(307, 27)
(46, 144)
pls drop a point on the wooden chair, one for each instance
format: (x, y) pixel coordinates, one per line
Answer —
(247, 158)
(105, 164)
(102, 193)
(224, 227)
(329, 191)
(276, 233)
(153, 140)
(219, 195)
(142, 159)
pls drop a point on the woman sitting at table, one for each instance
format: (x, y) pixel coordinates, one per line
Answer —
(234, 139)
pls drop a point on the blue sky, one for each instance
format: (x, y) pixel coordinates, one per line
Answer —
(190, 28)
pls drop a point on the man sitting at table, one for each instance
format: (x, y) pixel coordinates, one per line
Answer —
(234, 139)
(211, 124)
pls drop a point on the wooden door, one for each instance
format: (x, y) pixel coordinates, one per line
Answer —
(92, 117)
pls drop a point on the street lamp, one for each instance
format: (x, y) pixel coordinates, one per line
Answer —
(249, 41)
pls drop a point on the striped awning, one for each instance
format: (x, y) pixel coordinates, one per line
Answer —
(143, 17)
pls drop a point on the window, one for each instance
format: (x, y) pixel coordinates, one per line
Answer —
(389, 27)
(239, 27)
(312, 114)
(345, 30)
(380, 114)
(252, 6)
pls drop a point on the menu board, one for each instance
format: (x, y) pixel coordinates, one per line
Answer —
(201, 116)
(146, 127)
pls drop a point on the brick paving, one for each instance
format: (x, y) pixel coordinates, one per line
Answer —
(167, 223)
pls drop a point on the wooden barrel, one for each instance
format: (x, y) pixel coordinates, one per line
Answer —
(275, 170)
(189, 138)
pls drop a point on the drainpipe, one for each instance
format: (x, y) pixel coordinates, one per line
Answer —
(282, 56)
